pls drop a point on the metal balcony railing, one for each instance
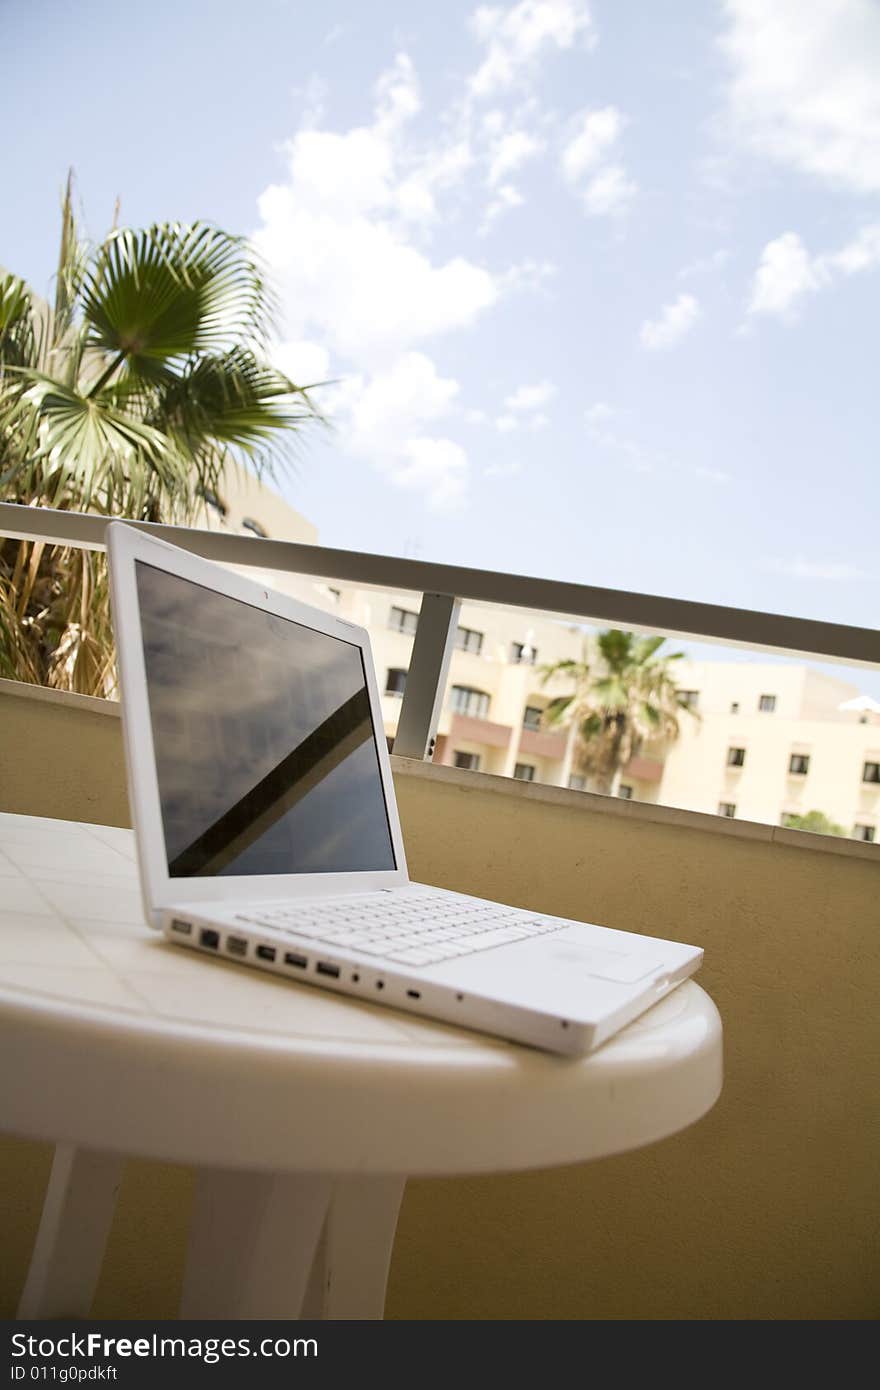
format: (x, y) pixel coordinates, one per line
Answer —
(445, 587)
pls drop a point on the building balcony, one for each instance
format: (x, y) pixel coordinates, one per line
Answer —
(733, 1218)
(644, 769)
(540, 744)
(467, 728)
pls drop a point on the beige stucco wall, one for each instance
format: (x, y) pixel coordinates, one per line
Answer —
(766, 1208)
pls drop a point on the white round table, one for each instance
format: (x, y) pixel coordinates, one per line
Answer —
(303, 1111)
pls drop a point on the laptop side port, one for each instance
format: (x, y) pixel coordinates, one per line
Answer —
(237, 945)
(210, 938)
(293, 958)
(179, 925)
(266, 953)
(325, 968)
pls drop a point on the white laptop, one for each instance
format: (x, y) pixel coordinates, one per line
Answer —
(268, 833)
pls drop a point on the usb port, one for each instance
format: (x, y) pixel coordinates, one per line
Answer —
(185, 928)
(210, 938)
(325, 968)
(413, 994)
(266, 953)
(236, 945)
(291, 958)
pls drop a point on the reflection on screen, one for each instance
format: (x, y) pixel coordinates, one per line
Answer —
(265, 749)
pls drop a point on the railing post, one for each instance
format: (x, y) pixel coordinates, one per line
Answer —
(426, 678)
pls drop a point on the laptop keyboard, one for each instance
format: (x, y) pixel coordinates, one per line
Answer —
(420, 931)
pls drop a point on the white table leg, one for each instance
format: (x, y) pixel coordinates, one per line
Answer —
(252, 1244)
(351, 1265)
(69, 1249)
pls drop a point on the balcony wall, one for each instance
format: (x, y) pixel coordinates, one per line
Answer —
(467, 729)
(767, 1208)
(542, 744)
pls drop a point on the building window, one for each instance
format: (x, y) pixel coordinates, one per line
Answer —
(469, 761)
(767, 704)
(625, 791)
(577, 782)
(736, 757)
(522, 655)
(248, 524)
(532, 717)
(727, 808)
(395, 681)
(403, 620)
(466, 700)
(469, 640)
(798, 765)
(213, 499)
(871, 772)
(864, 832)
(689, 699)
(524, 772)
(734, 708)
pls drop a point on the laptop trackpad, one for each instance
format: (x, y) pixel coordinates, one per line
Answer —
(568, 954)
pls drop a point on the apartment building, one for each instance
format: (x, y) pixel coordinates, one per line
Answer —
(761, 741)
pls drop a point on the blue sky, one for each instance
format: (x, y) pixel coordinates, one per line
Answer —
(599, 282)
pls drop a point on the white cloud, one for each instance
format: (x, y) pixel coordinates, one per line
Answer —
(527, 275)
(787, 272)
(361, 295)
(597, 414)
(385, 418)
(394, 404)
(506, 198)
(355, 279)
(804, 89)
(675, 321)
(517, 36)
(304, 362)
(604, 187)
(526, 398)
(437, 467)
(506, 424)
(595, 132)
(861, 254)
(336, 234)
(346, 235)
(609, 191)
(510, 152)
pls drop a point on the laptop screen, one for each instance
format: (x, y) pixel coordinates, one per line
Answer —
(265, 746)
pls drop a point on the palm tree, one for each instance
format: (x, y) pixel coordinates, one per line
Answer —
(130, 396)
(623, 694)
(817, 821)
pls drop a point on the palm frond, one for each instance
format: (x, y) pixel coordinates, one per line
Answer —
(558, 711)
(18, 331)
(233, 401)
(129, 398)
(644, 648)
(170, 291)
(578, 670)
(72, 264)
